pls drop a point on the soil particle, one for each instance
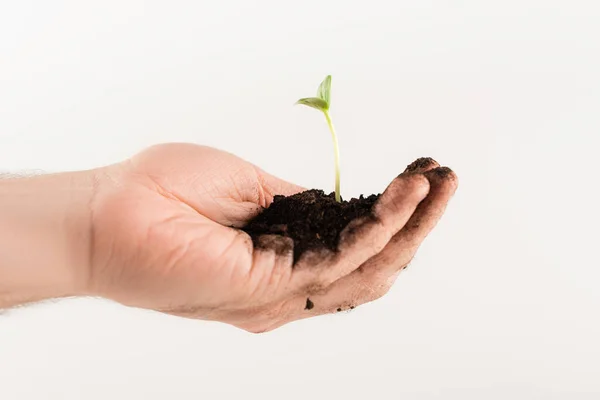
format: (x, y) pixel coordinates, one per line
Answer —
(309, 305)
(312, 219)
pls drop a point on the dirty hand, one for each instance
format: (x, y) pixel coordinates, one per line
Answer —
(162, 236)
(164, 240)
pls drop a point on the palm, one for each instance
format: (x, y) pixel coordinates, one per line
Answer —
(165, 234)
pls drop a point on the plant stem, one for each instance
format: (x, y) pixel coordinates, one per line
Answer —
(336, 149)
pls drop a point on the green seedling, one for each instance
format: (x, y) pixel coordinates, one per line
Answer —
(322, 103)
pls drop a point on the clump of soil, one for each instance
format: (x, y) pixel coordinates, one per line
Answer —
(313, 219)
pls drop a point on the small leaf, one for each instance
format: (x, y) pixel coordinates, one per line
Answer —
(314, 102)
(324, 91)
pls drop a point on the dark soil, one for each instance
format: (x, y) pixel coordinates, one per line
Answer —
(312, 219)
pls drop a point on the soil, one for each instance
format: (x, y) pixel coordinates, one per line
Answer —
(313, 219)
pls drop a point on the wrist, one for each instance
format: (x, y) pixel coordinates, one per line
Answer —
(45, 236)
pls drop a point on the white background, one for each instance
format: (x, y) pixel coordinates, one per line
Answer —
(502, 301)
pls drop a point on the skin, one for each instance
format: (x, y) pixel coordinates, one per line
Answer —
(158, 231)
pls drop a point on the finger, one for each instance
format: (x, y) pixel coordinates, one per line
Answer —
(376, 276)
(403, 246)
(443, 182)
(364, 237)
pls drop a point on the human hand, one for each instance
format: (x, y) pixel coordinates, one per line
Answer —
(164, 238)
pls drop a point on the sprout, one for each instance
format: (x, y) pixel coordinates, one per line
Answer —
(322, 103)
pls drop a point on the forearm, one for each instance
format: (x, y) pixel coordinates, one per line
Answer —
(45, 236)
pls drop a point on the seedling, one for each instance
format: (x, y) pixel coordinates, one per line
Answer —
(322, 103)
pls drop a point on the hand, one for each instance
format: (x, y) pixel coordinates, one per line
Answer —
(164, 238)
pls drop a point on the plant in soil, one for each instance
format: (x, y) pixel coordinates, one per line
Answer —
(312, 219)
(321, 103)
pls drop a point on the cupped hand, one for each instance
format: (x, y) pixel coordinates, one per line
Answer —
(165, 238)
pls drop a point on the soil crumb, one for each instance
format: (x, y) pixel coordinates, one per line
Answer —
(313, 219)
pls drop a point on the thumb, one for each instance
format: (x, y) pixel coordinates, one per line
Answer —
(268, 186)
(272, 186)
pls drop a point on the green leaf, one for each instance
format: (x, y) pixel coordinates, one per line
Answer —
(314, 102)
(324, 91)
